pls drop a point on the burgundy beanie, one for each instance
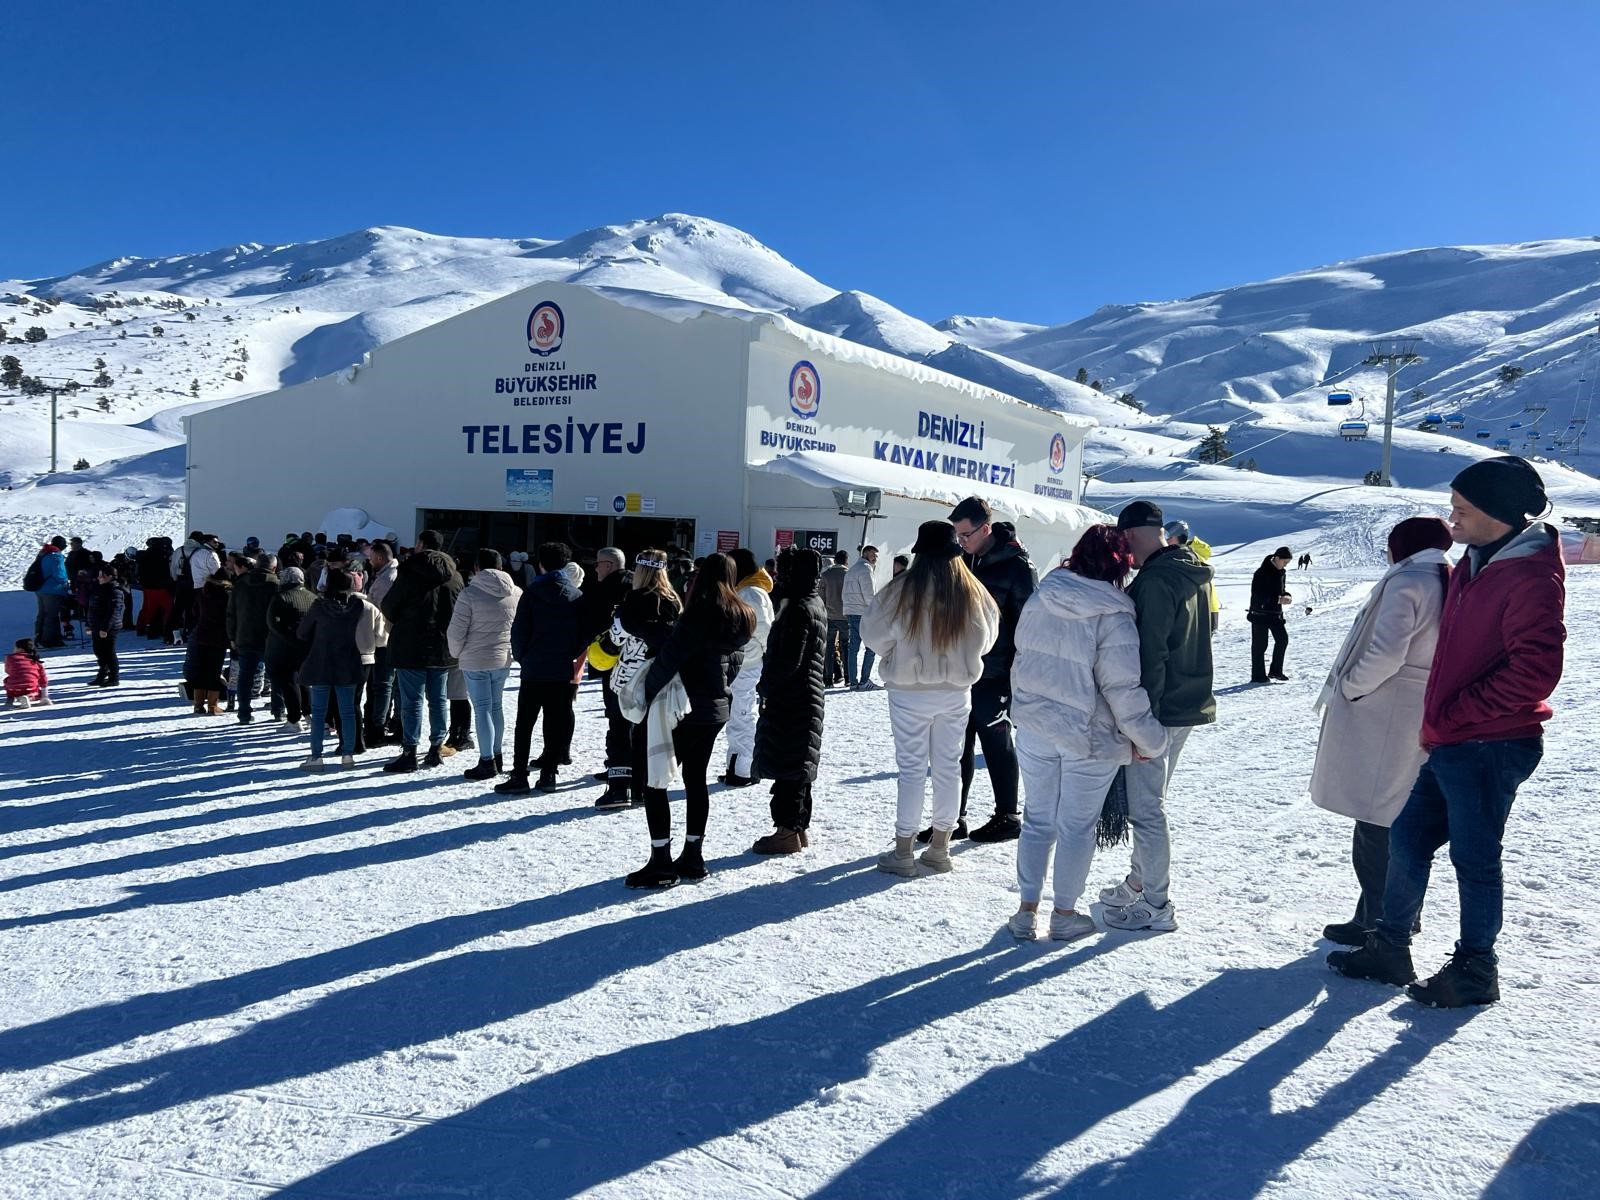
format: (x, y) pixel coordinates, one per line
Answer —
(1418, 533)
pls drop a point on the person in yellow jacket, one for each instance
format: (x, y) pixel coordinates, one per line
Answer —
(1177, 534)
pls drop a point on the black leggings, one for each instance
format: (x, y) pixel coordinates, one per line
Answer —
(691, 745)
(1260, 628)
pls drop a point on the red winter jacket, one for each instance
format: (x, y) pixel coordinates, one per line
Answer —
(24, 676)
(1500, 641)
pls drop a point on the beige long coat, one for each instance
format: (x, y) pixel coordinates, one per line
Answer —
(1368, 756)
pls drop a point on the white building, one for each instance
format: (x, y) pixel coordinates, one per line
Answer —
(564, 413)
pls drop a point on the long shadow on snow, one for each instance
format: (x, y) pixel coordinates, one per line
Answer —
(87, 1030)
(120, 796)
(434, 1000)
(615, 1114)
(238, 880)
(1225, 1143)
(1557, 1159)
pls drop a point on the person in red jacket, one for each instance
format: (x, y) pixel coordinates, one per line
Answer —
(1499, 658)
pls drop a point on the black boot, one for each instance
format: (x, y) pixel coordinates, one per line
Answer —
(515, 784)
(1376, 959)
(1465, 980)
(618, 793)
(547, 779)
(1002, 827)
(956, 834)
(1346, 933)
(500, 764)
(690, 864)
(657, 873)
(405, 763)
(460, 725)
(484, 770)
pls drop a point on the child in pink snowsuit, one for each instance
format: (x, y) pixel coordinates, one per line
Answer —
(26, 682)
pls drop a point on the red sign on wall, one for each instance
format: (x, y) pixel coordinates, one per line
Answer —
(785, 539)
(727, 539)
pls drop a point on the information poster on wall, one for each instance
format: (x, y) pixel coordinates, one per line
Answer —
(727, 539)
(705, 541)
(530, 489)
(784, 539)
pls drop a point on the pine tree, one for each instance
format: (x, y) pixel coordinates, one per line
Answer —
(194, 387)
(1096, 386)
(10, 371)
(1214, 446)
(99, 364)
(1131, 401)
(1510, 374)
(35, 333)
(1082, 376)
(157, 331)
(104, 378)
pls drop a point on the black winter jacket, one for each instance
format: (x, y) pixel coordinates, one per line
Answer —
(419, 607)
(649, 616)
(247, 610)
(285, 650)
(329, 630)
(1007, 575)
(600, 601)
(547, 632)
(1267, 585)
(789, 730)
(105, 607)
(155, 565)
(705, 651)
(211, 629)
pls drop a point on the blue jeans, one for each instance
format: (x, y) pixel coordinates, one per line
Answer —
(413, 683)
(319, 716)
(1462, 796)
(380, 692)
(855, 646)
(251, 668)
(486, 690)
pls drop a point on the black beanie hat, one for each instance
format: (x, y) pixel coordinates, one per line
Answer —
(937, 538)
(1141, 514)
(1506, 488)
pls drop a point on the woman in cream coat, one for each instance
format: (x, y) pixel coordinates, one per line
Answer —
(930, 627)
(1368, 755)
(1080, 714)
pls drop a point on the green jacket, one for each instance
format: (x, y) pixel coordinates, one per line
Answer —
(1172, 605)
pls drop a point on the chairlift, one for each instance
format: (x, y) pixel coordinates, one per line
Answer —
(1535, 406)
(1502, 443)
(1515, 425)
(1340, 396)
(1456, 420)
(1352, 431)
(1484, 434)
(1433, 419)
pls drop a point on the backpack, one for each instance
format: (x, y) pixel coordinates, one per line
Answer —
(33, 577)
(185, 581)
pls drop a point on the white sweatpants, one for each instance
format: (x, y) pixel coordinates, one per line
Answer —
(929, 728)
(742, 719)
(1151, 863)
(1062, 799)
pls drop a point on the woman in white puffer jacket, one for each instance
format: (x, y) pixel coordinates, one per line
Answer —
(930, 628)
(1080, 714)
(479, 637)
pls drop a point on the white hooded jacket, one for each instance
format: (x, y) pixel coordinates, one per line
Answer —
(859, 589)
(1075, 680)
(479, 636)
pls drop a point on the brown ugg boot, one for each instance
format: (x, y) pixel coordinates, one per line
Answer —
(211, 704)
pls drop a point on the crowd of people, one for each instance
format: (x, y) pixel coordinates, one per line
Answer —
(1082, 687)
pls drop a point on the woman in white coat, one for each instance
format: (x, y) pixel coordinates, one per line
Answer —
(479, 637)
(1368, 755)
(930, 627)
(755, 589)
(1080, 715)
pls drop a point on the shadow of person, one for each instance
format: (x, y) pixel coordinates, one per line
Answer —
(1558, 1160)
(607, 1116)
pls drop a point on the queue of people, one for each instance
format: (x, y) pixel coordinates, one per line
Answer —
(1432, 712)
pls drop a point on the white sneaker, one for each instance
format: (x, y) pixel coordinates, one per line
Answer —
(1069, 927)
(1120, 896)
(24, 702)
(347, 761)
(289, 727)
(1143, 915)
(313, 764)
(1022, 925)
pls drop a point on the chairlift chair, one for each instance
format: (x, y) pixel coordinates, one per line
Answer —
(1456, 421)
(1352, 431)
(1433, 419)
(1340, 396)
(1484, 434)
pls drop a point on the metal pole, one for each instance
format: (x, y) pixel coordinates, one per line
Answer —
(1388, 427)
(54, 392)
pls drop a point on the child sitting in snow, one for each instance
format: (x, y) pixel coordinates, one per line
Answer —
(26, 682)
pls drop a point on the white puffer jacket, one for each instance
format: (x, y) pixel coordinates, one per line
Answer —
(911, 662)
(1075, 680)
(479, 635)
(859, 588)
(761, 604)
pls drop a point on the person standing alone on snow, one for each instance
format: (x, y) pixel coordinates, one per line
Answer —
(1499, 657)
(857, 594)
(1269, 595)
(931, 628)
(1367, 753)
(1170, 605)
(991, 551)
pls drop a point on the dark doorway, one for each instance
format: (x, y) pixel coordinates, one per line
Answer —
(467, 530)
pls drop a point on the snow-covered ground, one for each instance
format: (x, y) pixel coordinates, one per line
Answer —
(226, 979)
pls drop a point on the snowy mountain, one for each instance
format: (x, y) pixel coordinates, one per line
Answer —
(205, 328)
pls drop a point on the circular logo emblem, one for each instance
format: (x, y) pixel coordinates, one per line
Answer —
(1058, 453)
(619, 504)
(545, 327)
(805, 391)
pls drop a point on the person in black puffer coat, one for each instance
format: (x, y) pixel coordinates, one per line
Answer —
(789, 730)
(285, 650)
(704, 650)
(103, 617)
(992, 552)
(546, 639)
(208, 646)
(601, 599)
(419, 607)
(1269, 592)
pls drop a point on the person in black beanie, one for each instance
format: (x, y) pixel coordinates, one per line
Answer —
(1499, 657)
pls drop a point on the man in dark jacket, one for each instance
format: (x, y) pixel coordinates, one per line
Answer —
(154, 570)
(611, 583)
(837, 666)
(104, 619)
(285, 650)
(789, 729)
(253, 591)
(990, 548)
(418, 608)
(1171, 599)
(1269, 593)
(1499, 657)
(547, 636)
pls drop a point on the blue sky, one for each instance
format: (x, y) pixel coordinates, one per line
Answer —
(1030, 159)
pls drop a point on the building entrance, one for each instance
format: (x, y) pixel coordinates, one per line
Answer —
(466, 531)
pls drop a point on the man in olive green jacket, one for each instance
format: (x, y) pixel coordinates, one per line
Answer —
(1171, 599)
